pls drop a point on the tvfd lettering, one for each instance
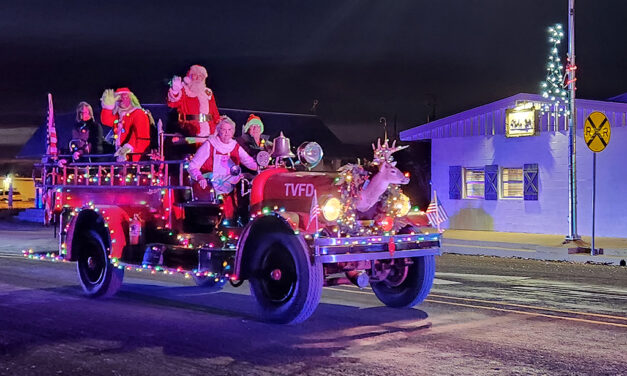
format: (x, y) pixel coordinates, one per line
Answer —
(299, 189)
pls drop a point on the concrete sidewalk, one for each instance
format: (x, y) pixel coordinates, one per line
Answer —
(533, 246)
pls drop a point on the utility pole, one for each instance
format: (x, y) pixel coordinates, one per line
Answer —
(572, 124)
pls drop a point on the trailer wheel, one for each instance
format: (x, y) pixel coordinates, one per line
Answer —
(285, 282)
(98, 277)
(407, 285)
(209, 283)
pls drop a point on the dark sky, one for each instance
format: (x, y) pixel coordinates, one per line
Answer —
(360, 59)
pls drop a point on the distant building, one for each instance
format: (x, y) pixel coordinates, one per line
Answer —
(504, 167)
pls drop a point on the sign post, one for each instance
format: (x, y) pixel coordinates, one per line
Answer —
(597, 132)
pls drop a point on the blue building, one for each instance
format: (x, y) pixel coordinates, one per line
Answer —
(504, 167)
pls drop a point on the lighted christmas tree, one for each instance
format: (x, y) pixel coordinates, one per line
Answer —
(553, 87)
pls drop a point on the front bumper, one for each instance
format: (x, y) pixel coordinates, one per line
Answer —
(332, 250)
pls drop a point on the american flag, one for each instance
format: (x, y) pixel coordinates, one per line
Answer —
(435, 211)
(315, 209)
(52, 150)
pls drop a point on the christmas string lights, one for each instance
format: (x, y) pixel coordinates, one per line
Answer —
(388, 217)
(163, 270)
(553, 88)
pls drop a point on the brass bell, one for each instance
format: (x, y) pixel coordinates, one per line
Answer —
(281, 147)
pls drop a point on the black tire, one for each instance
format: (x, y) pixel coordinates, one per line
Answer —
(209, 283)
(98, 277)
(286, 283)
(407, 286)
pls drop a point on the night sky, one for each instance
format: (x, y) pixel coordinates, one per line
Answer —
(360, 59)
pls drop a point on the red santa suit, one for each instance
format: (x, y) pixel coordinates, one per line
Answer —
(198, 112)
(217, 158)
(130, 126)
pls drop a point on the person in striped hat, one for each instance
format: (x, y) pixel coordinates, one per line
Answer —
(252, 139)
(130, 122)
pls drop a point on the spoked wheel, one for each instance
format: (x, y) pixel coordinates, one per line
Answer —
(407, 283)
(285, 283)
(98, 277)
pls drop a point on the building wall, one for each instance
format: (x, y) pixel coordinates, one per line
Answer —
(548, 215)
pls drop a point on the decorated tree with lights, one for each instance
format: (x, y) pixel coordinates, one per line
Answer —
(553, 87)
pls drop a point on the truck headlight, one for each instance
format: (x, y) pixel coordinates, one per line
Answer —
(331, 209)
(402, 206)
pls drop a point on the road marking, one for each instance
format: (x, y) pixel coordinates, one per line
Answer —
(11, 256)
(530, 313)
(483, 277)
(488, 248)
(531, 307)
(512, 310)
(438, 281)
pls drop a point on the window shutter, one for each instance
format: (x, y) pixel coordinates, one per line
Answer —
(491, 180)
(530, 181)
(455, 182)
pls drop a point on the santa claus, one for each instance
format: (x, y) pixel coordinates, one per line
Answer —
(211, 165)
(131, 125)
(196, 105)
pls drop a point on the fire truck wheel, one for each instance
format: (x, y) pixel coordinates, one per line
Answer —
(98, 277)
(209, 283)
(285, 283)
(407, 285)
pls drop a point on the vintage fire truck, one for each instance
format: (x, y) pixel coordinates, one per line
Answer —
(303, 230)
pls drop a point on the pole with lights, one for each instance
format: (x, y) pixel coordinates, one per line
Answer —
(572, 124)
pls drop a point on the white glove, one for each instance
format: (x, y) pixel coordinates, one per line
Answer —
(203, 183)
(108, 98)
(76, 155)
(176, 84)
(121, 152)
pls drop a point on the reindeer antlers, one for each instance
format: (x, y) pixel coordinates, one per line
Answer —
(383, 153)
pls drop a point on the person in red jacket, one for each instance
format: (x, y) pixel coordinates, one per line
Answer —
(131, 126)
(195, 103)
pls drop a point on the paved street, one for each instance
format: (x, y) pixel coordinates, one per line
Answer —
(486, 315)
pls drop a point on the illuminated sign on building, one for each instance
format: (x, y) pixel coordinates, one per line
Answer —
(521, 121)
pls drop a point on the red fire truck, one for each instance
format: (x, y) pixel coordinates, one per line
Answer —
(117, 216)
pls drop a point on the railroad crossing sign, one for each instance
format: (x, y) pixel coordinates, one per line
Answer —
(596, 131)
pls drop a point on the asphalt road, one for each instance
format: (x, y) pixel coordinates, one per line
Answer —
(485, 316)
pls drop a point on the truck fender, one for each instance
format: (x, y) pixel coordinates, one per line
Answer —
(111, 222)
(246, 243)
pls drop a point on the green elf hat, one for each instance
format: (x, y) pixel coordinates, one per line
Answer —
(253, 120)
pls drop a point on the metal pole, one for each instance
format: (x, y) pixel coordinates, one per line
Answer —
(572, 123)
(594, 196)
(10, 200)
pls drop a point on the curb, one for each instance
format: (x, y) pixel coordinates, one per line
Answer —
(530, 251)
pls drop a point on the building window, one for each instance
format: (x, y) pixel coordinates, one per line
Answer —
(474, 182)
(512, 182)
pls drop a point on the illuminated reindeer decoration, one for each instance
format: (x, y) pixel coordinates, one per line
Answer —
(388, 174)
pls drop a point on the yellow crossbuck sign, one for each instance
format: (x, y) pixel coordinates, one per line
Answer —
(596, 131)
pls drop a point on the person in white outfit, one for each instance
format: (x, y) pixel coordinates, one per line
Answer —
(214, 160)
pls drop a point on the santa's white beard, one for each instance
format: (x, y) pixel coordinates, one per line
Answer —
(195, 88)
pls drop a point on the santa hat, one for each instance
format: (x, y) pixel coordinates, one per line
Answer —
(199, 70)
(253, 120)
(122, 90)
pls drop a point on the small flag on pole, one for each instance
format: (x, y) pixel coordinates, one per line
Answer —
(51, 150)
(436, 212)
(314, 211)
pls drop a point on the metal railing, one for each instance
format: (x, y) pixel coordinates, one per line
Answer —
(111, 175)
